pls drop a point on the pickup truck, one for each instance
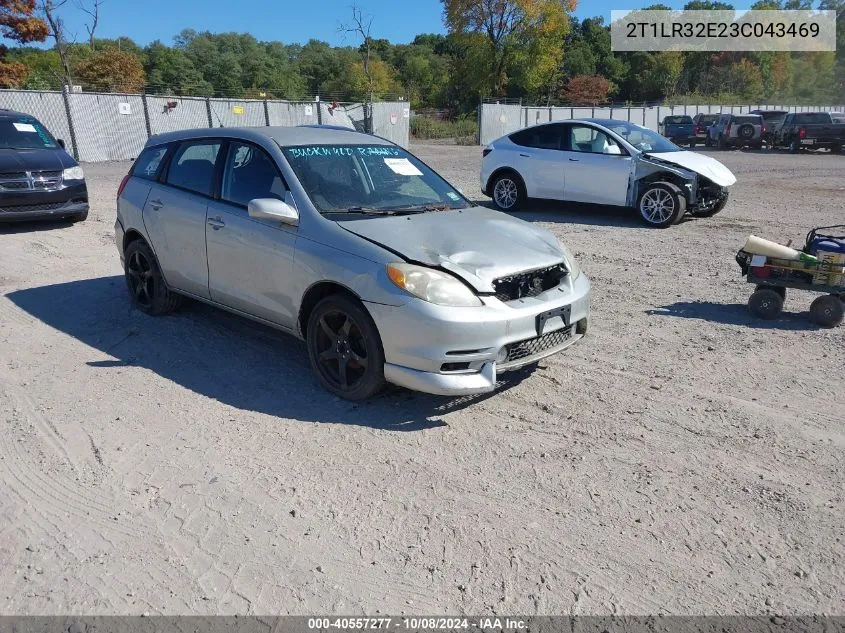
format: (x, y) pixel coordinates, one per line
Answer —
(678, 128)
(810, 130)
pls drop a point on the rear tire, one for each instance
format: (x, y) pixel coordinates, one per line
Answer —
(345, 348)
(508, 192)
(147, 287)
(778, 289)
(766, 304)
(827, 311)
(661, 205)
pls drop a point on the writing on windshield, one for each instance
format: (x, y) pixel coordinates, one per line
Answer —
(345, 150)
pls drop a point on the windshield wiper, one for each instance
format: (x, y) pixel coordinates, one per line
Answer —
(362, 210)
(424, 208)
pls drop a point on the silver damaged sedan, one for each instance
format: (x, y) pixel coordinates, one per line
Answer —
(351, 243)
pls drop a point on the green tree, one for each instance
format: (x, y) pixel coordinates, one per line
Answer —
(511, 30)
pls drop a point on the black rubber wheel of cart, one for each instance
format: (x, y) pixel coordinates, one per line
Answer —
(765, 304)
(778, 289)
(827, 311)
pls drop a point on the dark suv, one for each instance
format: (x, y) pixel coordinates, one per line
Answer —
(38, 179)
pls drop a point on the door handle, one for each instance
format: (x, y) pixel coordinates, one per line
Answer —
(216, 223)
(156, 204)
(574, 160)
(526, 155)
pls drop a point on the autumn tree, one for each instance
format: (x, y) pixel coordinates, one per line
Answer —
(530, 31)
(587, 90)
(19, 23)
(111, 69)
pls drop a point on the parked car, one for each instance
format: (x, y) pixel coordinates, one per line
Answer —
(772, 120)
(353, 244)
(604, 161)
(736, 130)
(39, 180)
(678, 128)
(810, 130)
(702, 121)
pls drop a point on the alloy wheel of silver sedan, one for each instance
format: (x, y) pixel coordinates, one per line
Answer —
(660, 206)
(506, 193)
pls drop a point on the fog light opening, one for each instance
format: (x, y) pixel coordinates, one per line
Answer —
(502, 356)
(581, 326)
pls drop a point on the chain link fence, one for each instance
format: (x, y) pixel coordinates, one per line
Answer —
(101, 126)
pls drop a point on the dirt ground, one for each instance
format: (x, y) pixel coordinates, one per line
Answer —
(685, 458)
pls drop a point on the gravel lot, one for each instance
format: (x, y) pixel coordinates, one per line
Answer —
(684, 459)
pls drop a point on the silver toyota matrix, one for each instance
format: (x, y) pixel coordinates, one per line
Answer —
(386, 271)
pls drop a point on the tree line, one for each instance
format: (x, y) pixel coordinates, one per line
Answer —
(533, 50)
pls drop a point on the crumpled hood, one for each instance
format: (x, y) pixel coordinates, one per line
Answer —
(700, 164)
(477, 244)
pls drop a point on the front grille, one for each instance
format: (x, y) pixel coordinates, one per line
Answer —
(46, 206)
(528, 284)
(30, 181)
(534, 346)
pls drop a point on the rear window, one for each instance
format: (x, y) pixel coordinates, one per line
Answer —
(708, 118)
(24, 132)
(813, 117)
(678, 120)
(753, 119)
(149, 162)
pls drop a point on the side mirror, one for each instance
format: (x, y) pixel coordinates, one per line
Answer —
(61, 143)
(274, 210)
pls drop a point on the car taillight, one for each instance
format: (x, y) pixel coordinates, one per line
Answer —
(698, 129)
(802, 133)
(762, 129)
(485, 151)
(122, 185)
(728, 129)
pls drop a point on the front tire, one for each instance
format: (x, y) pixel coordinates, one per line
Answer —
(147, 287)
(345, 348)
(661, 205)
(508, 192)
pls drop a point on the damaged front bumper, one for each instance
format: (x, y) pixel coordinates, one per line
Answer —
(460, 351)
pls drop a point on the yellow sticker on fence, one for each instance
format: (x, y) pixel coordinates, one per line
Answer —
(238, 109)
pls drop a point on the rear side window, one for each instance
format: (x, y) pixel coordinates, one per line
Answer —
(149, 162)
(752, 119)
(541, 137)
(678, 120)
(192, 166)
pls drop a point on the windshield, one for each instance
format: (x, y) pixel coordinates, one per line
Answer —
(678, 120)
(642, 138)
(24, 133)
(370, 179)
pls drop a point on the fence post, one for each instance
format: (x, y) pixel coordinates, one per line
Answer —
(208, 111)
(147, 115)
(319, 110)
(266, 114)
(74, 148)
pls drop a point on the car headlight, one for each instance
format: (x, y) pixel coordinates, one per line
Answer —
(73, 173)
(571, 263)
(432, 285)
